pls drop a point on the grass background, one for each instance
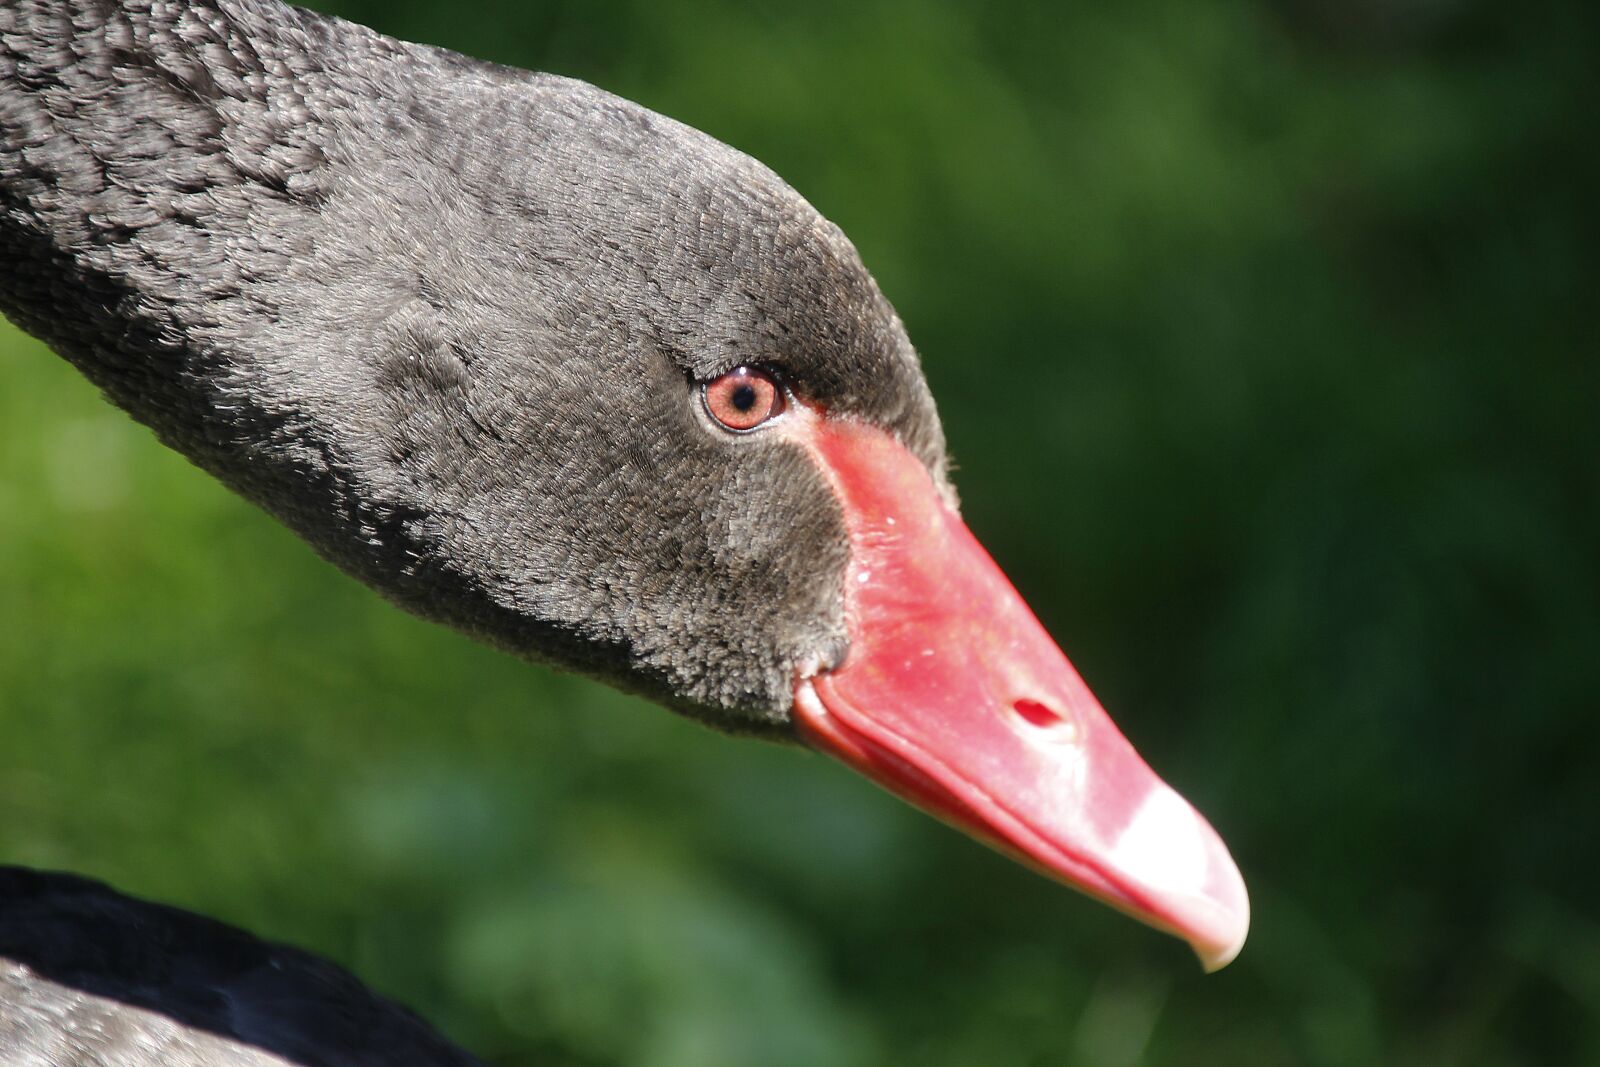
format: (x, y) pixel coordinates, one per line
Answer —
(1264, 335)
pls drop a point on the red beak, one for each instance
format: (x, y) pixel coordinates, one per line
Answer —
(955, 698)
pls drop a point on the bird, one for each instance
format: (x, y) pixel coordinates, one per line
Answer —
(92, 976)
(566, 375)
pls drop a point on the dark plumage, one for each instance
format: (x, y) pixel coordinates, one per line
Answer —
(88, 976)
(444, 320)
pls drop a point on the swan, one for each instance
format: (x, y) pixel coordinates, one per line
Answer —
(563, 374)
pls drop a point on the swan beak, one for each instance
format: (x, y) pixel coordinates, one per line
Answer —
(955, 698)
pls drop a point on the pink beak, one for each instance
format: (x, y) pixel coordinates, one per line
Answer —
(955, 698)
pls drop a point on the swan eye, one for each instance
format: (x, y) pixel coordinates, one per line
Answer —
(743, 399)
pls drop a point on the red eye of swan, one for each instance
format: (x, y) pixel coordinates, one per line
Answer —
(743, 399)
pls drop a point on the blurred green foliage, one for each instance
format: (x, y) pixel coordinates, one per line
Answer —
(1265, 339)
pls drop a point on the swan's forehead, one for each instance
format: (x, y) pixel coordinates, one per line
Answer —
(711, 254)
(772, 281)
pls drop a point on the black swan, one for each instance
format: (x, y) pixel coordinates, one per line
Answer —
(557, 371)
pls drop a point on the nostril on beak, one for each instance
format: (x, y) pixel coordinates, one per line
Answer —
(1045, 720)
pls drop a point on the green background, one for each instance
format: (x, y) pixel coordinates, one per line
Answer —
(1264, 336)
